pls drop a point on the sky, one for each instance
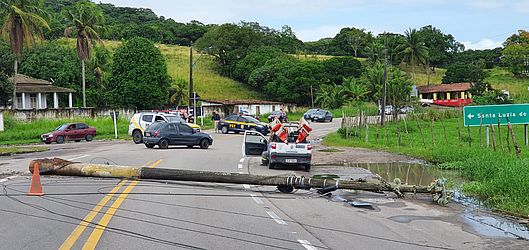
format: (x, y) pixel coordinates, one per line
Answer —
(478, 24)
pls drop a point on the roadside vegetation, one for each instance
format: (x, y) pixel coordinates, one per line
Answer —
(21, 150)
(497, 177)
(17, 132)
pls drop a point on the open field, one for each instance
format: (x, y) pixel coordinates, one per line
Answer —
(497, 177)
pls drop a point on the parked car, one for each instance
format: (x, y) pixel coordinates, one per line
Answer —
(241, 123)
(274, 115)
(309, 113)
(321, 116)
(388, 110)
(70, 132)
(140, 121)
(165, 134)
(406, 109)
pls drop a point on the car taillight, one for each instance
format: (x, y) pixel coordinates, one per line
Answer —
(309, 147)
(155, 133)
(273, 156)
(273, 146)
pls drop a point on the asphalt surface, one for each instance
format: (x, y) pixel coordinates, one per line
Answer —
(89, 213)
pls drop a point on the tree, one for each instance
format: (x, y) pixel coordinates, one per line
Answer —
(23, 25)
(6, 89)
(7, 58)
(139, 76)
(490, 58)
(354, 89)
(373, 78)
(338, 68)
(460, 72)
(441, 47)
(413, 52)
(254, 60)
(86, 17)
(399, 88)
(330, 96)
(178, 92)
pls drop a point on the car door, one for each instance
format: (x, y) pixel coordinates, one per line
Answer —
(80, 131)
(185, 135)
(70, 132)
(146, 120)
(170, 131)
(328, 116)
(254, 143)
(242, 124)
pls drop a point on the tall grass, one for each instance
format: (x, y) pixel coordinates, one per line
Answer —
(499, 178)
(17, 132)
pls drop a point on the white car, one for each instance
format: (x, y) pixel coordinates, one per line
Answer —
(140, 121)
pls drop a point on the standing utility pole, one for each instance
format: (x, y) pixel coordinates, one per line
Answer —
(311, 96)
(190, 78)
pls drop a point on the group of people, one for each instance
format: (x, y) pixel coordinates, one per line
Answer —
(283, 117)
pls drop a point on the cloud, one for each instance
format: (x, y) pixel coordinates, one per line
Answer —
(317, 33)
(489, 4)
(485, 43)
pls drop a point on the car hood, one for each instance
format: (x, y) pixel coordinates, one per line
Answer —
(193, 125)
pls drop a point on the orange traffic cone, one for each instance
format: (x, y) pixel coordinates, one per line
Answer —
(36, 187)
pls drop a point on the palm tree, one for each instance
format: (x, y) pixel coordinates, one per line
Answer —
(331, 96)
(413, 51)
(23, 24)
(85, 17)
(178, 92)
(354, 90)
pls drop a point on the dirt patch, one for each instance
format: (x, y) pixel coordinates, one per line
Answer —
(323, 155)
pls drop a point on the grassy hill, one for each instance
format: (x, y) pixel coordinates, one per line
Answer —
(207, 83)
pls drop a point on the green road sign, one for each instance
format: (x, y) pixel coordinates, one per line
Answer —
(486, 115)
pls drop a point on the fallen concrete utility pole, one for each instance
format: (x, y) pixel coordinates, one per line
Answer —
(284, 183)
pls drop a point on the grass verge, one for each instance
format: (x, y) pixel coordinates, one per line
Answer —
(21, 150)
(497, 177)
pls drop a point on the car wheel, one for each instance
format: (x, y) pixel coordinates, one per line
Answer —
(47, 142)
(149, 145)
(190, 146)
(163, 143)
(253, 129)
(89, 137)
(224, 129)
(204, 144)
(137, 137)
(307, 168)
(330, 120)
(271, 165)
(60, 139)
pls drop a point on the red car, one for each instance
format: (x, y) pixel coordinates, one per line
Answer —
(69, 132)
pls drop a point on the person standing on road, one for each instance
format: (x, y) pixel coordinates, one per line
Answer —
(216, 120)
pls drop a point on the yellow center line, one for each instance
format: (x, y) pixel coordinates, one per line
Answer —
(93, 239)
(68, 243)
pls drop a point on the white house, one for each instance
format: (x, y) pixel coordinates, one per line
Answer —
(253, 107)
(32, 93)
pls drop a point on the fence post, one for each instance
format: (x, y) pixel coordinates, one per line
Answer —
(493, 137)
(516, 147)
(398, 135)
(499, 135)
(367, 133)
(469, 137)
(487, 136)
(431, 131)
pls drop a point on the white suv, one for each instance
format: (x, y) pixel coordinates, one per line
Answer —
(140, 121)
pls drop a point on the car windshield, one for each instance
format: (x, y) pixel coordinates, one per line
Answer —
(311, 111)
(62, 127)
(175, 119)
(251, 119)
(321, 112)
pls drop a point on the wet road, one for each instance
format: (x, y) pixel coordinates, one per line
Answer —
(101, 213)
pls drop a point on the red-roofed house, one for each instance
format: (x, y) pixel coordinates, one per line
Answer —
(452, 94)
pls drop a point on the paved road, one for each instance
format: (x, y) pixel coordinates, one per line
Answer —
(123, 214)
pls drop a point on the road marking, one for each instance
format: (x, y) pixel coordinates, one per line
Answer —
(8, 178)
(70, 241)
(246, 186)
(239, 165)
(94, 237)
(306, 244)
(257, 199)
(241, 160)
(79, 157)
(276, 218)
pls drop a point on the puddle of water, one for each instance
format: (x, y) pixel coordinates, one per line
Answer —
(495, 226)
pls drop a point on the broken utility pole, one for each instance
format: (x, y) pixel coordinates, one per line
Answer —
(284, 183)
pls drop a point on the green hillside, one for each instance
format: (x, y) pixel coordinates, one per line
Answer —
(208, 83)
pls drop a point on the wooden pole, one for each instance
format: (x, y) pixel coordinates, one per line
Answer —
(431, 131)
(508, 142)
(493, 137)
(387, 135)
(487, 138)
(420, 130)
(459, 132)
(499, 135)
(444, 131)
(367, 133)
(398, 135)
(516, 146)
(469, 137)
(480, 127)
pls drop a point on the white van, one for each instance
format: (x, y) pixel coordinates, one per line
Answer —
(140, 121)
